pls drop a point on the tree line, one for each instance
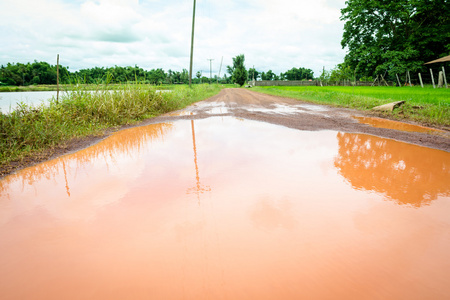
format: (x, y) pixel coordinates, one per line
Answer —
(18, 74)
(292, 74)
(31, 73)
(239, 74)
(44, 73)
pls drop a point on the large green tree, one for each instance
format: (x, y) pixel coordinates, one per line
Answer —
(253, 74)
(298, 74)
(394, 36)
(269, 75)
(238, 71)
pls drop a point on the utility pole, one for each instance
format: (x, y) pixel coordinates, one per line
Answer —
(57, 78)
(192, 46)
(253, 73)
(220, 69)
(210, 69)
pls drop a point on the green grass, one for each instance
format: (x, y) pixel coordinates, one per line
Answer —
(30, 130)
(425, 105)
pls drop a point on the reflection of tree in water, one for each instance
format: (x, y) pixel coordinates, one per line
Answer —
(126, 142)
(405, 173)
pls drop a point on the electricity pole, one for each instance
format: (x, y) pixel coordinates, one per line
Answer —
(253, 74)
(220, 69)
(210, 68)
(57, 78)
(192, 47)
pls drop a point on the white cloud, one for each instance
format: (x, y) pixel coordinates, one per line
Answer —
(111, 13)
(275, 35)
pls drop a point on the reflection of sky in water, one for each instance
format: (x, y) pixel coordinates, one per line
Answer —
(288, 109)
(11, 99)
(280, 214)
(211, 107)
(222, 108)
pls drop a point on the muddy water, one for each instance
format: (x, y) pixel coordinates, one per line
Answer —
(389, 124)
(226, 208)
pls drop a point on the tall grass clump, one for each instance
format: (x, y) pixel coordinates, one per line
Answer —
(29, 130)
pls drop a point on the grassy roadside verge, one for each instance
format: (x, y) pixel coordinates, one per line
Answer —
(428, 106)
(29, 131)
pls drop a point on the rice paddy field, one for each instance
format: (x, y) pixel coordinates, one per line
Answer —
(426, 105)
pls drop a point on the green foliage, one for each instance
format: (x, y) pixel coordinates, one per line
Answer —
(253, 74)
(339, 73)
(298, 74)
(226, 79)
(269, 75)
(292, 74)
(399, 62)
(119, 74)
(178, 77)
(394, 36)
(39, 73)
(238, 71)
(31, 73)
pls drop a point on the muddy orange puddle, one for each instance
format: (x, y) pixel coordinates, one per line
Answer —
(389, 124)
(222, 208)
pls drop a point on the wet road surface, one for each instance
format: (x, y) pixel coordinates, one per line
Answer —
(221, 201)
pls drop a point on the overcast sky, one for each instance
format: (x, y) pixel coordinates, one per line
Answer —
(276, 35)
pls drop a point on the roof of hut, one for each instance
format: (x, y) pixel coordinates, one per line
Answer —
(442, 59)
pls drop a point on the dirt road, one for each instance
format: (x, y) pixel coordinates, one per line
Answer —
(246, 104)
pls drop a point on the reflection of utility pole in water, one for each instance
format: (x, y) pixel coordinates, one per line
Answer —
(65, 177)
(198, 189)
